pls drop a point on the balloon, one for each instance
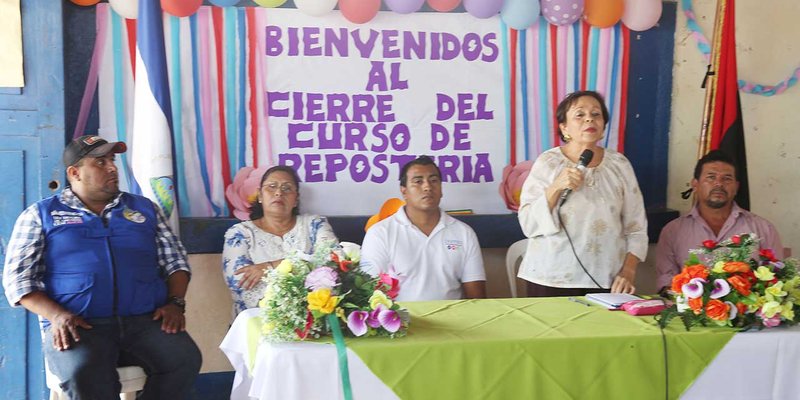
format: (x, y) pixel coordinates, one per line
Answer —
(270, 3)
(85, 2)
(641, 15)
(315, 7)
(520, 14)
(603, 13)
(224, 3)
(483, 8)
(359, 11)
(443, 5)
(404, 6)
(181, 8)
(562, 12)
(125, 8)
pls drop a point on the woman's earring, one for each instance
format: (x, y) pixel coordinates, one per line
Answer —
(567, 137)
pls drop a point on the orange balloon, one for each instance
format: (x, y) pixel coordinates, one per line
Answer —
(181, 8)
(85, 2)
(603, 13)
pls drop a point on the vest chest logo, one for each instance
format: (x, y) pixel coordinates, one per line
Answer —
(133, 216)
(453, 245)
(66, 217)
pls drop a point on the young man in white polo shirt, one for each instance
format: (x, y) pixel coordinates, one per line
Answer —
(435, 256)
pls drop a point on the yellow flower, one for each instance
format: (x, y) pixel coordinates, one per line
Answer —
(285, 267)
(267, 328)
(379, 297)
(764, 274)
(775, 291)
(787, 311)
(771, 308)
(322, 301)
(718, 267)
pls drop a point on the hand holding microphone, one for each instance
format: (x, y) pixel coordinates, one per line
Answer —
(583, 161)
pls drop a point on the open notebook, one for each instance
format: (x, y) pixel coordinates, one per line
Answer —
(611, 300)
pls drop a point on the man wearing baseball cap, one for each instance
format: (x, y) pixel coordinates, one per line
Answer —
(107, 277)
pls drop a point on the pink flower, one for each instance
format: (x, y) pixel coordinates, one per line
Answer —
(694, 288)
(243, 191)
(721, 288)
(769, 322)
(322, 278)
(356, 322)
(511, 185)
(388, 284)
(372, 319)
(390, 320)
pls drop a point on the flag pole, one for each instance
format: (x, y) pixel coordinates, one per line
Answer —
(710, 81)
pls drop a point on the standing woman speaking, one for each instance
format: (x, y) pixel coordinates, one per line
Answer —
(587, 227)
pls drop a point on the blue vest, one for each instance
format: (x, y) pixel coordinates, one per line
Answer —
(96, 269)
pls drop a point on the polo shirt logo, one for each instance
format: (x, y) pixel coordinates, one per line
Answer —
(453, 245)
(66, 217)
(133, 216)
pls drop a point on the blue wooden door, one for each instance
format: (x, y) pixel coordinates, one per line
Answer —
(31, 141)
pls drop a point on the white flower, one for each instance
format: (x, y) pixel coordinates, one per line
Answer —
(352, 251)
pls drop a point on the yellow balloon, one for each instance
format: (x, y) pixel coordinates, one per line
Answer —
(270, 3)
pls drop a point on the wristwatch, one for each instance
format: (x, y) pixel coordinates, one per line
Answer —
(178, 301)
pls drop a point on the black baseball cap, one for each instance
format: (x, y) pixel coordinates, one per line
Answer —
(90, 146)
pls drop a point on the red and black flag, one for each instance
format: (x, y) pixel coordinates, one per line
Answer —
(726, 131)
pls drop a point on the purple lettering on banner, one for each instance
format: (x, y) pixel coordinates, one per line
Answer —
(465, 112)
(483, 168)
(451, 46)
(483, 113)
(378, 133)
(400, 137)
(273, 41)
(461, 136)
(448, 164)
(414, 44)
(365, 48)
(440, 137)
(390, 49)
(334, 163)
(379, 162)
(401, 160)
(489, 44)
(354, 134)
(297, 106)
(359, 167)
(335, 140)
(337, 107)
(313, 173)
(471, 47)
(384, 108)
(339, 42)
(294, 42)
(314, 104)
(394, 76)
(467, 163)
(377, 76)
(295, 130)
(436, 46)
(291, 160)
(445, 107)
(272, 98)
(362, 107)
(311, 41)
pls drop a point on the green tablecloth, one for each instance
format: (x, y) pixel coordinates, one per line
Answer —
(542, 348)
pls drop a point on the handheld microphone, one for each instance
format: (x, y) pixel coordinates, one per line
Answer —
(583, 161)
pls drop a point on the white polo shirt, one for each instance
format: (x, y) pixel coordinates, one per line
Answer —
(429, 267)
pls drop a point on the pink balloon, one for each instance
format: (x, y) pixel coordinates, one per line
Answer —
(562, 12)
(483, 8)
(359, 11)
(641, 15)
(181, 8)
(443, 5)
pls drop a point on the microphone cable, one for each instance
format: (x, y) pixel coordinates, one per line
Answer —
(572, 246)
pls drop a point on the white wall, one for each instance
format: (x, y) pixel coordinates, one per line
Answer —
(768, 51)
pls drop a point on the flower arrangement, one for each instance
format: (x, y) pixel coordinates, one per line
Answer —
(306, 294)
(724, 285)
(511, 186)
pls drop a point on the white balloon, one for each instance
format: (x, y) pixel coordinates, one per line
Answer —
(125, 8)
(315, 7)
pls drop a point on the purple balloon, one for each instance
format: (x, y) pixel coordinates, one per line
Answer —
(562, 12)
(483, 8)
(404, 6)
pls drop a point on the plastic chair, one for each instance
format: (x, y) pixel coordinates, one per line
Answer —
(132, 379)
(513, 255)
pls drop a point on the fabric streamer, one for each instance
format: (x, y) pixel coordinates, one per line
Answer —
(341, 350)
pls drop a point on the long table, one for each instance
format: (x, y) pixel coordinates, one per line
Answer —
(522, 348)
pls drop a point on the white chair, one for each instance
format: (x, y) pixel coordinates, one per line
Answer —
(513, 256)
(132, 379)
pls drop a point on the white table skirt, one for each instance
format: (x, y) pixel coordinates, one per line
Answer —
(751, 366)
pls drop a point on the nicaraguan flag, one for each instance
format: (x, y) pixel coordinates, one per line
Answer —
(151, 141)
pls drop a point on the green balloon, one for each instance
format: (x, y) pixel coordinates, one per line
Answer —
(270, 3)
